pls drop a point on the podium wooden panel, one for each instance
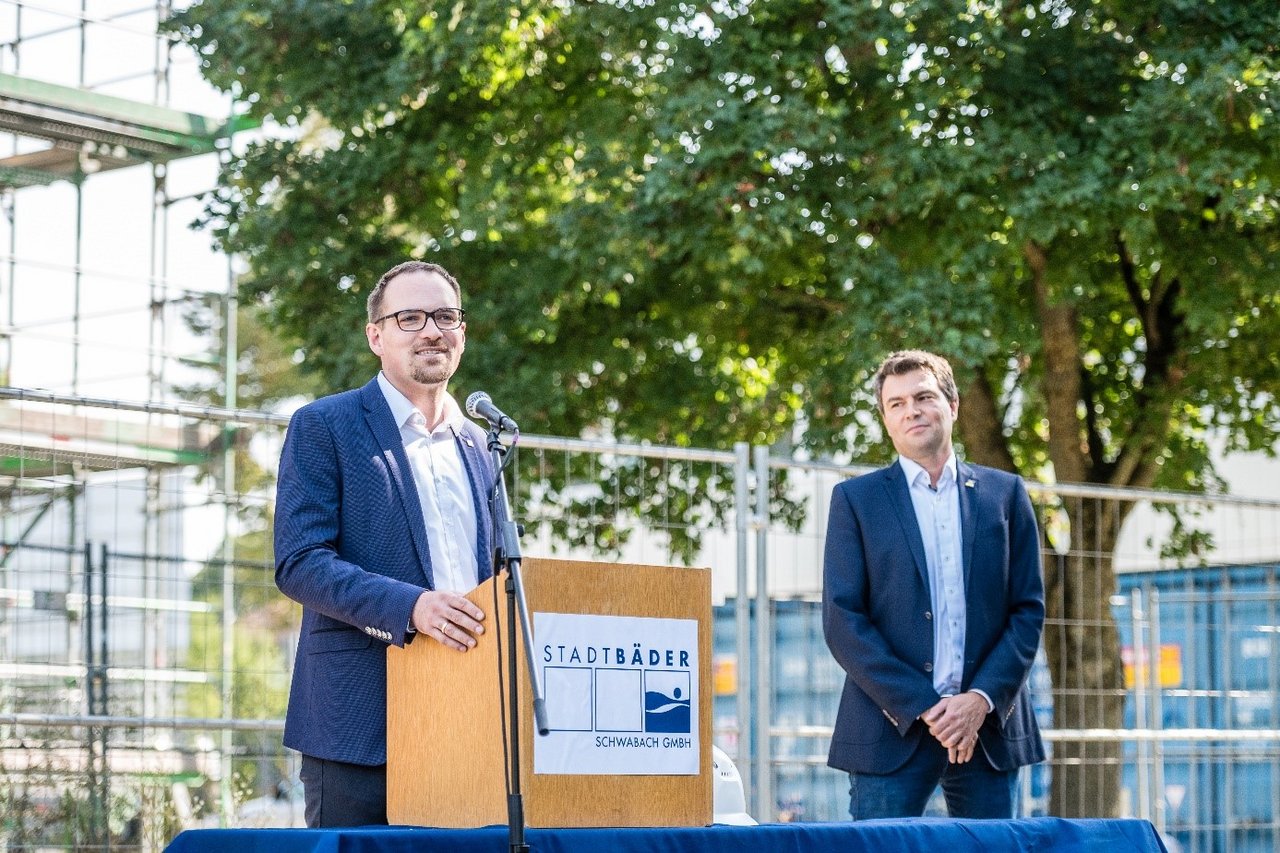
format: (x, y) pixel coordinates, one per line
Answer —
(445, 726)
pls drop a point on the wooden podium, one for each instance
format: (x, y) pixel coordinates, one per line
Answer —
(445, 763)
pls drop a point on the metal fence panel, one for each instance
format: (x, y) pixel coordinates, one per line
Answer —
(126, 711)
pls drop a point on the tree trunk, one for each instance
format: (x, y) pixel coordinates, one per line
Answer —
(1082, 644)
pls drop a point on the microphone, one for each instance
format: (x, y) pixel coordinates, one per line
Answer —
(480, 405)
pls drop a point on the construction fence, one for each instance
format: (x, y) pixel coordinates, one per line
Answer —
(145, 653)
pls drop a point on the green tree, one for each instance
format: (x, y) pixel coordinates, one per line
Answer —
(701, 224)
(269, 361)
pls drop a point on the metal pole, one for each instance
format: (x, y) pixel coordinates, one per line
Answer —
(1141, 658)
(1156, 713)
(164, 55)
(1273, 689)
(77, 276)
(86, 616)
(91, 688)
(73, 493)
(228, 546)
(104, 708)
(742, 613)
(507, 556)
(84, 31)
(764, 642)
(11, 215)
(158, 292)
(7, 573)
(1226, 807)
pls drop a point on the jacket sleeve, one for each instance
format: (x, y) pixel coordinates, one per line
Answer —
(307, 533)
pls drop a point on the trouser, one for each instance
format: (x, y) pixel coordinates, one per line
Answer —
(974, 789)
(340, 794)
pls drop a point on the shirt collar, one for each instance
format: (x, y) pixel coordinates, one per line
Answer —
(402, 410)
(914, 470)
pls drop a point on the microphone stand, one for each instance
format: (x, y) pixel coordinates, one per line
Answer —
(506, 555)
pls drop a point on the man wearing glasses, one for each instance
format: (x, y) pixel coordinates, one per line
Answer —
(382, 522)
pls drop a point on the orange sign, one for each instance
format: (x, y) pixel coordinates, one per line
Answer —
(724, 675)
(1168, 666)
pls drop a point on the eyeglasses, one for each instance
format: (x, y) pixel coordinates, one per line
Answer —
(415, 319)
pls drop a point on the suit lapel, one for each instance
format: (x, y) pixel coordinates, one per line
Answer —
(967, 485)
(895, 483)
(378, 415)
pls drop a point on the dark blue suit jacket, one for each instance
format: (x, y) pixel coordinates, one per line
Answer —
(351, 547)
(878, 619)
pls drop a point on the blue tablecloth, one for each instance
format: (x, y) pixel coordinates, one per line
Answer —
(934, 835)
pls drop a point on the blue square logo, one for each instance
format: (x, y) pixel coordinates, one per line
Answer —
(667, 706)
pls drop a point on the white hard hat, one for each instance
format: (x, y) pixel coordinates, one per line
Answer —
(728, 801)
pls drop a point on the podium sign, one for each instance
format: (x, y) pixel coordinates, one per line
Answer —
(620, 693)
(625, 658)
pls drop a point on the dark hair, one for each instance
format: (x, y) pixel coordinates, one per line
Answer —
(907, 360)
(374, 303)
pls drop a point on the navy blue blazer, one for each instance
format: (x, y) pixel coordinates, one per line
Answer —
(878, 619)
(351, 547)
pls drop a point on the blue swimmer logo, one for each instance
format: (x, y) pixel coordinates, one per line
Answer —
(666, 702)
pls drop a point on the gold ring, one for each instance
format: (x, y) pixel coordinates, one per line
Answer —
(444, 623)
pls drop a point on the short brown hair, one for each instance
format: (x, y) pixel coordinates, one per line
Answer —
(374, 303)
(907, 360)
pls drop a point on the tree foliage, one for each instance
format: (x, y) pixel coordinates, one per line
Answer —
(705, 223)
(702, 224)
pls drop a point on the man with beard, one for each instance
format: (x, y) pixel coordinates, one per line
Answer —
(382, 522)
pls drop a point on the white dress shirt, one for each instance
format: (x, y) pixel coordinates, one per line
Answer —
(444, 490)
(938, 517)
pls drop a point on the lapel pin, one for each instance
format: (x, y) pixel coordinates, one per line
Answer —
(969, 484)
(467, 439)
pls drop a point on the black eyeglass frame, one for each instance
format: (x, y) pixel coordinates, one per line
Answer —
(433, 315)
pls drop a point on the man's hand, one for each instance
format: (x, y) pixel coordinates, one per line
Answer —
(448, 618)
(955, 721)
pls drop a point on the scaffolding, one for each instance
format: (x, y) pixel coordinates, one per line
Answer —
(108, 141)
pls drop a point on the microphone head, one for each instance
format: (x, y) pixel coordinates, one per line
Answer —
(474, 401)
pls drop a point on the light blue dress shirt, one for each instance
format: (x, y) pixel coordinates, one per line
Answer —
(938, 517)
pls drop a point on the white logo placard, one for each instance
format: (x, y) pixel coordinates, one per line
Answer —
(621, 693)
